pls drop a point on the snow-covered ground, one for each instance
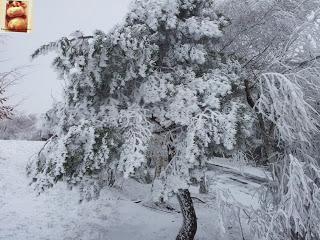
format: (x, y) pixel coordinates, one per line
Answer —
(57, 214)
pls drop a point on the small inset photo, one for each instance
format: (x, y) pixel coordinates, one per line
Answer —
(16, 16)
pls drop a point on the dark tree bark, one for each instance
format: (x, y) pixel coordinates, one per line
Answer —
(265, 134)
(203, 185)
(189, 225)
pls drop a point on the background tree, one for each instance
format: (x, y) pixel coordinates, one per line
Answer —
(20, 126)
(6, 79)
(272, 36)
(278, 47)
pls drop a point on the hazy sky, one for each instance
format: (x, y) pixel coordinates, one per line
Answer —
(52, 19)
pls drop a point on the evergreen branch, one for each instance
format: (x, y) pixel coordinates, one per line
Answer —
(44, 49)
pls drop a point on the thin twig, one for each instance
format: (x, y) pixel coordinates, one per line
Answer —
(242, 234)
(199, 200)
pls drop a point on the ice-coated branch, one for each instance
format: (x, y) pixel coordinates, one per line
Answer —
(282, 102)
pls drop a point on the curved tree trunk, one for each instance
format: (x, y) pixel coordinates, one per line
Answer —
(189, 226)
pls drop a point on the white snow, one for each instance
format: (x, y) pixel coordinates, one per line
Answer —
(261, 173)
(57, 214)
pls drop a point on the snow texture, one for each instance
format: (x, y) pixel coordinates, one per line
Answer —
(57, 214)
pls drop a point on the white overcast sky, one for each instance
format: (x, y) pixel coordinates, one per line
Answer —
(52, 19)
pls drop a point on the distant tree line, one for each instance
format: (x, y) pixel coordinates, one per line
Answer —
(20, 126)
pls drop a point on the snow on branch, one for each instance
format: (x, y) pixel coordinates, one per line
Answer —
(297, 213)
(282, 102)
(56, 45)
(137, 134)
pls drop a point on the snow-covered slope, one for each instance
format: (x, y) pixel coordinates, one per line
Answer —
(57, 215)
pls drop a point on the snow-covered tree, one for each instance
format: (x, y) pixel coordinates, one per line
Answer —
(166, 90)
(277, 44)
(291, 210)
(272, 37)
(290, 205)
(260, 30)
(6, 79)
(5, 110)
(153, 88)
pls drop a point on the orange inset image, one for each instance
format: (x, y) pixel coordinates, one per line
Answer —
(17, 16)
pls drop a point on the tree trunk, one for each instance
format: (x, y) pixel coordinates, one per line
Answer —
(189, 226)
(266, 148)
(203, 185)
(158, 167)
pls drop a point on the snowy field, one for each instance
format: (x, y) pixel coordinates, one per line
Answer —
(57, 214)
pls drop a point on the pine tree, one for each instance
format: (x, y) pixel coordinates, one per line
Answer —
(152, 88)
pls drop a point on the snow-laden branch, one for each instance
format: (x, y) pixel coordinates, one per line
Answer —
(282, 102)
